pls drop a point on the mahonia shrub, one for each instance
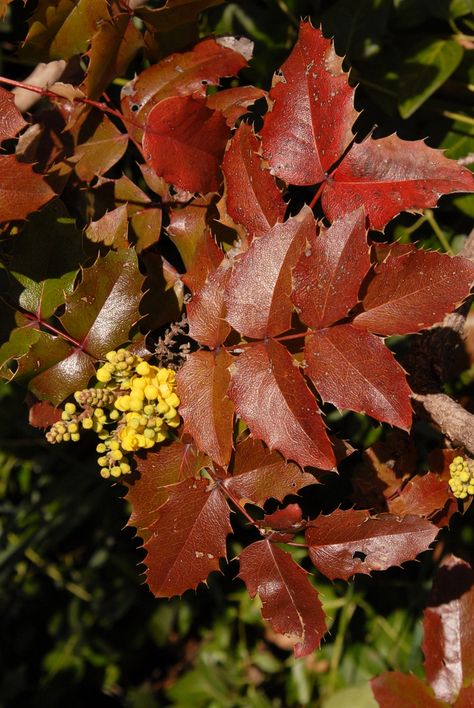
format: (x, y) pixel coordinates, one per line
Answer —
(228, 288)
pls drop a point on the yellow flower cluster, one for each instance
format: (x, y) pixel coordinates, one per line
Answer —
(134, 408)
(462, 477)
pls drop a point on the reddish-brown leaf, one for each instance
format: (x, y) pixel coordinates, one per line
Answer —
(43, 414)
(11, 120)
(207, 310)
(190, 234)
(172, 463)
(349, 542)
(207, 412)
(102, 146)
(465, 698)
(184, 141)
(111, 229)
(287, 519)
(258, 292)
(423, 496)
(327, 278)
(252, 196)
(391, 175)
(449, 630)
(270, 394)
(234, 102)
(21, 190)
(309, 126)
(393, 689)
(358, 373)
(414, 291)
(260, 474)
(289, 601)
(188, 539)
(180, 74)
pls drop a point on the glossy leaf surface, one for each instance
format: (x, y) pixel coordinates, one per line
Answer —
(290, 603)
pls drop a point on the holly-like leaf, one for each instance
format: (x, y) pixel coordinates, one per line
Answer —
(309, 126)
(448, 629)
(112, 49)
(184, 141)
(42, 415)
(349, 542)
(289, 601)
(104, 307)
(252, 196)
(393, 689)
(423, 496)
(64, 27)
(199, 252)
(391, 175)
(111, 229)
(175, 13)
(188, 539)
(258, 292)
(171, 464)
(234, 102)
(414, 291)
(11, 120)
(358, 372)
(270, 394)
(179, 74)
(465, 698)
(71, 373)
(102, 147)
(207, 310)
(207, 412)
(327, 278)
(21, 190)
(259, 474)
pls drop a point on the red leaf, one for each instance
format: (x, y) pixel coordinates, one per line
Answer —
(391, 175)
(180, 74)
(21, 190)
(234, 102)
(252, 196)
(207, 412)
(414, 291)
(11, 120)
(259, 474)
(42, 414)
(393, 689)
(290, 603)
(199, 252)
(423, 496)
(359, 373)
(449, 630)
(349, 542)
(188, 539)
(172, 463)
(285, 521)
(184, 141)
(327, 278)
(259, 288)
(309, 127)
(206, 311)
(465, 698)
(270, 394)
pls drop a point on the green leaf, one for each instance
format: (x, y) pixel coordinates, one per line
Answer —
(451, 9)
(425, 70)
(104, 307)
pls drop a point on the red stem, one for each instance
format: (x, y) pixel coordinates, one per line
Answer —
(317, 195)
(35, 320)
(287, 337)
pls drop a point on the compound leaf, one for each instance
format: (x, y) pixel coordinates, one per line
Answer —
(391, 175)
(328, 275)
(414, 291)
(258, 292)
(259, 474)
(309, 125)
(206, 311)
(271, 395)
(188, 538)
(207, 412)
(289, 601)
(184, 141)
(358, 373)
(349, 542)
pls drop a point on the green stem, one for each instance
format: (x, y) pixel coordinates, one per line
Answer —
(439, 233)
(345, 617)
(457, 116)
